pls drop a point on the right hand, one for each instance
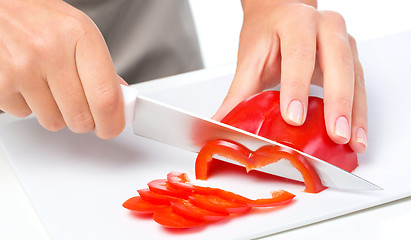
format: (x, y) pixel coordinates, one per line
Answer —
(54, 62)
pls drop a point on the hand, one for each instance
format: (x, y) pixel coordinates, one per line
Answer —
(293, 43)
(55, 63)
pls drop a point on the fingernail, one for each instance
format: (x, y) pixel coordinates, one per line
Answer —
(295, 112)
(361, 137)
(341, 127)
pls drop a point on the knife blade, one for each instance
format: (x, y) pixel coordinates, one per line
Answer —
(167, 124)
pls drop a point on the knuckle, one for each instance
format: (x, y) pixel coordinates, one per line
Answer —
(334, 18)
(352, 41)
(107, 98)
(297, 86)
(309, 12)
(78, 25)
(82, 123)
(24, 65)
(345, 103)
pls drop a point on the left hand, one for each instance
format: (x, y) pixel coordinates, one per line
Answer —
(292, 42)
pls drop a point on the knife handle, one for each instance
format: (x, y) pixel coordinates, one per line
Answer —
(129, 96)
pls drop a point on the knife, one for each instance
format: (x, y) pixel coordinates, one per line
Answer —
(179, 128)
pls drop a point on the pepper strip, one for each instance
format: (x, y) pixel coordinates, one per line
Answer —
(257, 159)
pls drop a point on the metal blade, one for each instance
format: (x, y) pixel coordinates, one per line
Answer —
(185, 130)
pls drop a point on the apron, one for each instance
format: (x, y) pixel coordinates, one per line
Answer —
(147, 39)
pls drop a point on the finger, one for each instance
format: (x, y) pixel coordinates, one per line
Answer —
(99, 80)
(257, 69)
(359, 127)
(298, 56)
(336, 62)
(14, 104)
(68, 92)
(37, 94)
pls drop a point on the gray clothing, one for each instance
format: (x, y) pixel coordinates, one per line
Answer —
(147, 39)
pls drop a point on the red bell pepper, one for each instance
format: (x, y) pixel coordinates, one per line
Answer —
(261, 115)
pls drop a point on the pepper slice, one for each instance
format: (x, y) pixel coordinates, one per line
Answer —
(181, 181)
(312, 181)
(168, 218)
(155, 198)
(278, 198)
(190, 211)
(259, 158)
(161, 186)
(223, 148)
(137, 204)
(217, 204)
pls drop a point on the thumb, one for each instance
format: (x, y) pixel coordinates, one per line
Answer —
(240, 89)
(256, 71)
(122, 81)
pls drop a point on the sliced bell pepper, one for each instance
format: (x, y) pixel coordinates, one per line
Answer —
(155, 198)
(161, 186)
(223, 148)
(190, 211)
(312, 181)
(217, 204)
(180, 181)
(206, 204)
(168, 218)
(259, 158)
(278, 198)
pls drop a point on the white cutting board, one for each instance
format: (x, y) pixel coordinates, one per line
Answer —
(77, 183)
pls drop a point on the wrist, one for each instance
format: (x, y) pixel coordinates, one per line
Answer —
(250, 4)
